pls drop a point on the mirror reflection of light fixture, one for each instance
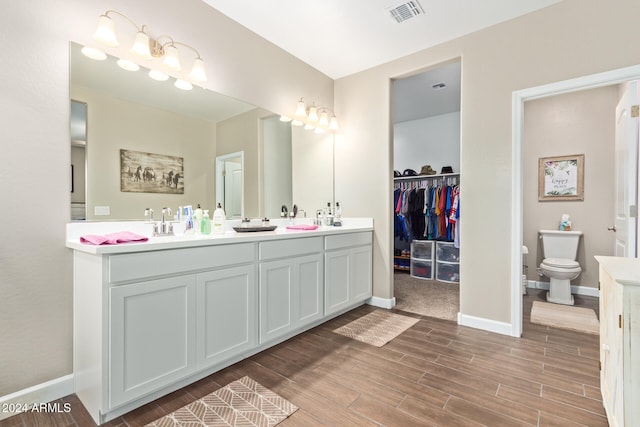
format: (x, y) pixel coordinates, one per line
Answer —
(146, 47)
(318, 118)
(183, 84)
(93, 53)
(125, 64)
(157, 75)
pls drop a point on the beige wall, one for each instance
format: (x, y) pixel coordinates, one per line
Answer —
(114, 124)
(575, 123)
(35, 266)
(571, 39)
(242, 133)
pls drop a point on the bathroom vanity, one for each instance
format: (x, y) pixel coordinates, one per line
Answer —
(619, 280)
(152, 317)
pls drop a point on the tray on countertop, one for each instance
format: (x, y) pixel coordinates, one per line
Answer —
(255, 228)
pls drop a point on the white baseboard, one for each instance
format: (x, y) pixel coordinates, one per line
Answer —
(382, 302)
(578, 290)
(484, 324)
(39, 393)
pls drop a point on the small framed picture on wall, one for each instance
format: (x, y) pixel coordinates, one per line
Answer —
(561, 178)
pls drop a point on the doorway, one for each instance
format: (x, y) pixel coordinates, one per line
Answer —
(426, 158)
(229, 184)
(613, 77)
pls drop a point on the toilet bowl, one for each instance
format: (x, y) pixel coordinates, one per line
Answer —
(559, 265)
(560, 272)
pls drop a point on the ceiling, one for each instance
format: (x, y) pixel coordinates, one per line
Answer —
(342, 37)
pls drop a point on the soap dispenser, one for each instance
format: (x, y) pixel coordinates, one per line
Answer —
(218, 220)
(197, 218)
(205, 224)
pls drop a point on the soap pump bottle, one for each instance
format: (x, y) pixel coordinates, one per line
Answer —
(205, 224)
(197, 218)
(218, 220)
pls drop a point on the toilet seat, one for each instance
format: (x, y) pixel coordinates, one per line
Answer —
(560, 263)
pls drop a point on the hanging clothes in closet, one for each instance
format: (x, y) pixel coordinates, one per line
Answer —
(427, 209)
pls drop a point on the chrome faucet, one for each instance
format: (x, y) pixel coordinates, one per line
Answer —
(166, 228)
(149, 212)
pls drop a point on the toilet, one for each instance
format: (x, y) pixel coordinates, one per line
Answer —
(560, 249)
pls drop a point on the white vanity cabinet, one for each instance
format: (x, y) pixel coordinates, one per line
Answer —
(348, 271)
(150, 318)
(291, 286)
(227, 314)
(152, 336)
(620, 339)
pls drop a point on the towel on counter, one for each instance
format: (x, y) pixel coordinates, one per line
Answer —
(302, 227)
(113, 238)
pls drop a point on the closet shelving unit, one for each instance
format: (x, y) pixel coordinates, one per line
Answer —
(440, 262)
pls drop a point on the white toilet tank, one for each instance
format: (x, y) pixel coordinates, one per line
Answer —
(560, 244)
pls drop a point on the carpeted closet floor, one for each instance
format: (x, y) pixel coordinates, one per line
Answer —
(426, 297)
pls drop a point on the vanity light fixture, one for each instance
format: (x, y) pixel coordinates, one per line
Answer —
(313, 117)
(146, 47)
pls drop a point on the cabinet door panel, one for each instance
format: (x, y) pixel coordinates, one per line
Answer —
(226, 313)
(310, 289)
(362, 272)
(152, 336)
(276, 291)
(337, 278)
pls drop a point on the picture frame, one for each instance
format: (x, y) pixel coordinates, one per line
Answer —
(142, 172)
(561, 178)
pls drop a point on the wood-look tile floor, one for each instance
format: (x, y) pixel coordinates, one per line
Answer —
(435, 374)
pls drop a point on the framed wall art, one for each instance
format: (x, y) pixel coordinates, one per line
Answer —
(151, 173)
(561, 178)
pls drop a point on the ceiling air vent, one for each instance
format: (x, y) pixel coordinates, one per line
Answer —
(406, 10)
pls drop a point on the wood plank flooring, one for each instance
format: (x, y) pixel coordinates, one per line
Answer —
(435, 374)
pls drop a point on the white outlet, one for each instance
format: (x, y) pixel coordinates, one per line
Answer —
(102, 210)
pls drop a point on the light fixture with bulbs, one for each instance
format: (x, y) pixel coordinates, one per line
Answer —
(147, 48)
(313, 117)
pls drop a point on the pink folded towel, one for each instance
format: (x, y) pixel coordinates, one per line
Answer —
(302, 227)
(113, 238)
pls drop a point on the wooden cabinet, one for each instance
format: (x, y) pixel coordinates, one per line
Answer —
(620, 339)
(291, 287)
(348, 270)
(152, 339)
(226, 314)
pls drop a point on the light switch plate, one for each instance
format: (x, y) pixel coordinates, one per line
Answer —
(102, 210)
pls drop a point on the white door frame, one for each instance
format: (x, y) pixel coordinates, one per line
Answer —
(220, 160)
(517, 127)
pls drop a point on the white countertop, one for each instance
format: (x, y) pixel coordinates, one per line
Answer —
(77, 229)
(622, 270)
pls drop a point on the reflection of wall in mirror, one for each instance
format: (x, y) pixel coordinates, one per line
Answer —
(312, 160)
(114, 124)
(277, 176)
(241, 133)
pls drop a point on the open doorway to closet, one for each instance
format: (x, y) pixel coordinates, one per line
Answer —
(426, 153)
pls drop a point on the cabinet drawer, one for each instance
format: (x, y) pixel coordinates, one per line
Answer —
(447, 252)
(143, 265)
(422, 269)
(289, 248)
(422, 249)
(339, 241)
(447, 272)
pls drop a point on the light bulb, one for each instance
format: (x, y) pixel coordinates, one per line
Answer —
(171, 59)
(301, 109)
(324, 119)
(313, 114)
(141, 45)
(197, 73)
(105, 32)
(333, 123)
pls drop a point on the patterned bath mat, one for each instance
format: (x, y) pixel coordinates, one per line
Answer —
(565, 317)
(377, 328)
(241, 403)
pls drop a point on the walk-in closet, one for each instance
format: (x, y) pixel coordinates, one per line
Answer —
(426, 193)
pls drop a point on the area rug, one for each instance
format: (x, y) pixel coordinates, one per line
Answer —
(377, 328)
(426, 297)
(565, 317)
(241, 403)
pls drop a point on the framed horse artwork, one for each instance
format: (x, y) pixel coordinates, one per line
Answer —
(151, 173)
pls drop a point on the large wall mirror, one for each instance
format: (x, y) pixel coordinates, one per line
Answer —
(115, 111)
